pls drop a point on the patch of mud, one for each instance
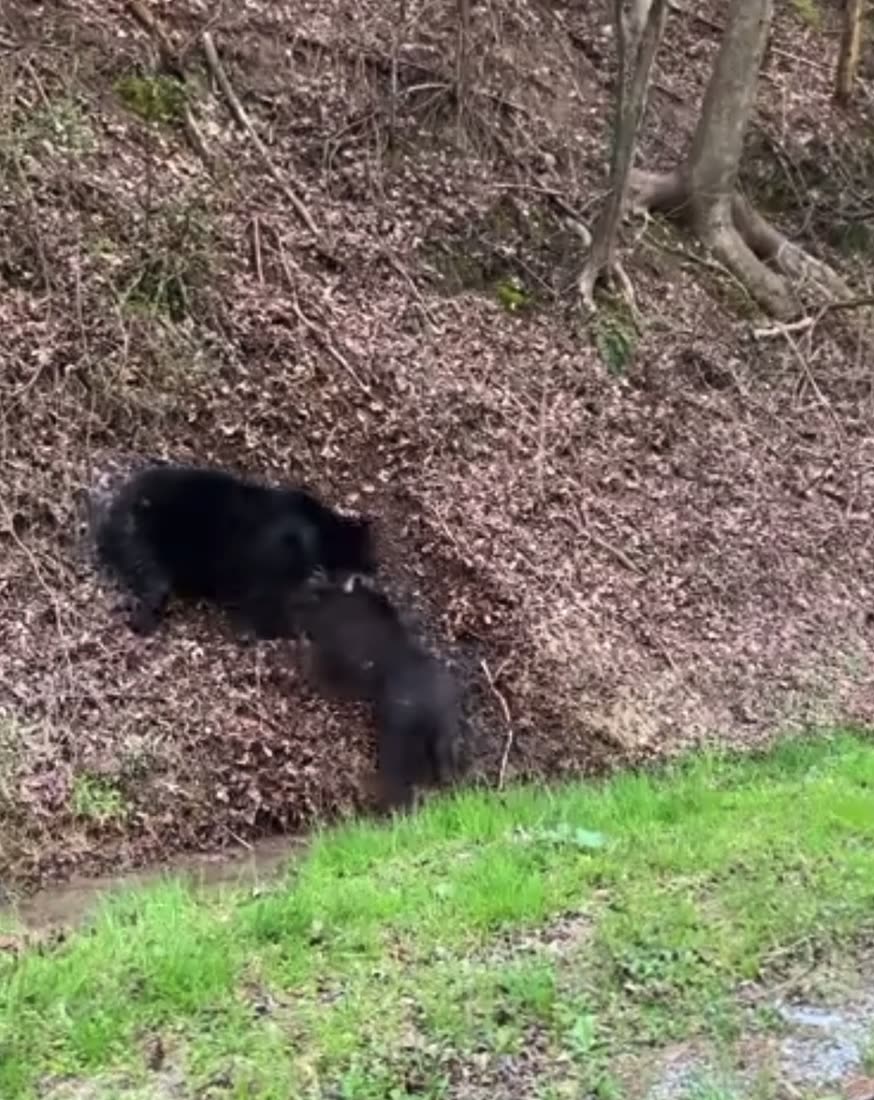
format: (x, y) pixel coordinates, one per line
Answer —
(679, 1073)
(69, 904)
(816, 1046)
(166, 1085)
(825, 1044)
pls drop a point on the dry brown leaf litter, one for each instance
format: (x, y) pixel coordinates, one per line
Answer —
(642, 562)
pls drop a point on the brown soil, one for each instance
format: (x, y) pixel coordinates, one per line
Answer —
(676, 549)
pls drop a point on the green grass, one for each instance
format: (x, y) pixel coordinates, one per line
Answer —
(155, 98)
(97, 799)
(581, 923)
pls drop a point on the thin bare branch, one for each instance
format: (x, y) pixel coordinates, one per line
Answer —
(169, 55)
(631, 95)
(508, 722)
(221, 77)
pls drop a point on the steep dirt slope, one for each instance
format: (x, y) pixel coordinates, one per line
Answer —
(640, 544)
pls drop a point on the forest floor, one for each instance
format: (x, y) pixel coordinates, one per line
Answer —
(630, 538)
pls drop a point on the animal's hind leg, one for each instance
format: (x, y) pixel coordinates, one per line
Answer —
(399, 763)
(444, 756)
(152, 592)
(144, 577)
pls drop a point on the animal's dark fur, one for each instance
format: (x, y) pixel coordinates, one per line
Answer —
(361, 648)
(207, 534)
(420, 725)
(354, 632)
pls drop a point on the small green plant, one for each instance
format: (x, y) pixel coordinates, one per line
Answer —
(616, 335)
(711, 1087)
(97, 799)
(582, 1035)
(161, 286)
(808, 12)
(867, 1059)
(174, 265)
(155, 98)
(66, 126)
(512, 295)
(56, 126)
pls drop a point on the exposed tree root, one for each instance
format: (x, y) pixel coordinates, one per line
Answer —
(797, 265)
(781, 276)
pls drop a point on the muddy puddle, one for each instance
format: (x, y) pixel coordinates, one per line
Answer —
(820, 1049)
(70, 903)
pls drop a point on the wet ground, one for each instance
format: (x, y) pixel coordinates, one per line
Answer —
(66, 905)
(816, 1046)
(811, 1037)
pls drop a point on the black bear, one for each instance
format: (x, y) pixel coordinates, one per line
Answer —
(203, 533)
(360, 648)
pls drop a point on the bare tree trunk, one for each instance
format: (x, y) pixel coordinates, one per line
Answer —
(639, 36)
(702, 191)
(461, 57)
(634, 22)
(395, 52)
(850, 50)
(714, 159)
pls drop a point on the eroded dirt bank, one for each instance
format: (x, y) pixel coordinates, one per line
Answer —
(647, 545)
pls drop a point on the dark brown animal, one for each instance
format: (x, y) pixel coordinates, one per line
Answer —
(208, 534)
(360, 648)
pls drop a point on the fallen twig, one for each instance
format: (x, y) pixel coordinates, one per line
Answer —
(256, 249)
(580, 524)
(218, 71)
(315, 328)
(508, 720)
(620, 555)
(788, 328)
(169, 57)
(769, 331)
(395, 263)
(195, 138)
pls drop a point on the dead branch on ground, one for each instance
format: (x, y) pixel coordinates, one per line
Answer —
(767, 332)
(508, 722)
(221, 77)
(321, 336)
